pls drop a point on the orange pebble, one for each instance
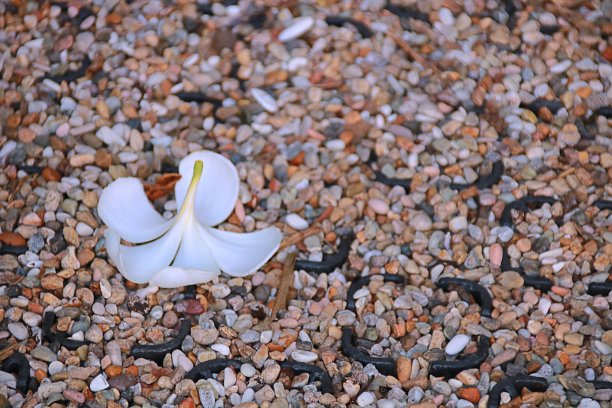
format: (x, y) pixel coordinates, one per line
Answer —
(113, 371)
(40, 375)
(131, 370)
(471, 394)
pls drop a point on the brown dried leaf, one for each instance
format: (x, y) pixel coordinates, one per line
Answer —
(163, 186)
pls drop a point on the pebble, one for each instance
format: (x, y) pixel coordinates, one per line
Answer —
(304, 356)
(379, 206)
(304, 108)
(298, 27)
(44, 354)
(19, 330)
(421, 222)
(99, 383)
(511, 280)
(247, 370)
(265, 100)
(458, 224)
(366, 398)
(457, 344)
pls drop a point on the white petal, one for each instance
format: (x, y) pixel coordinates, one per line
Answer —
(174, 277)
(217, 190)
(242, 254)
(141, 262)
(124, 207)
(193, 253)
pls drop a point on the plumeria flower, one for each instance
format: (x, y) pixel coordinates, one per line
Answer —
(185, 250)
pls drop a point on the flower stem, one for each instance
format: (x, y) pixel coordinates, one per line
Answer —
(198, 167)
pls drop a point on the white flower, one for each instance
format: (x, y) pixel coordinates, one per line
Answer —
(185, 250)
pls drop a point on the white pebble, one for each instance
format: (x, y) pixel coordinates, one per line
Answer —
(457, 344)
(296, 222)
(304, 356)
(221, 349)
(247, 370)
(298, 27)
(109, 136)
(99, 383)
(366, 398)
(544, 305)
(265, 100)
(561, 67)
(84, 230)
(458, 224)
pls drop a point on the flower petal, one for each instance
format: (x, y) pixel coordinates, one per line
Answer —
(141, 262)
(217, 190)
(124, 207)
(193, 253)
(242, 254)
(174, 277)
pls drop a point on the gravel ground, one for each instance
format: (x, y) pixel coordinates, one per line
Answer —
(412, 125)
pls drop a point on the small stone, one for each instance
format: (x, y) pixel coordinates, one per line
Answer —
(265, 100)
(296, 222)
(298, 27)
(379, 206)
(247, 370)
(221, 349)
(345, 318)
(503, 357)
(18, 330)
(99, 383)
(420, 222)
(43, 353)
(31, 319)
(366, 398)
(511, 280)
(458, 224)
(303, 356)
(457, 344)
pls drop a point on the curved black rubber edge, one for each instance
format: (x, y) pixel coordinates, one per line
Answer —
(513, 386)
(603, 204)
(60, 338)
(18, 364)
(383, 365)
(388, 181)
(13, 250)
(479, 292)
(484, 181)
(604, 111)
(71, 75)
(315, 372)
(448, 369)
(537, 282)
(600, 288)
(522, 204)
(540, 103)
(199, 97)
(157, 352)
(210, 367)
(600, 385)
(330, 261)
(361, 27)
(407, 12)
(363, 281)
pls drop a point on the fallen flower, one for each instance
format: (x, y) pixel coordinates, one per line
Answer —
(185, 250)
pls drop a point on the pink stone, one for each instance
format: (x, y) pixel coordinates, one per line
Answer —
(495, 255)
(75, 396)
(379, 206)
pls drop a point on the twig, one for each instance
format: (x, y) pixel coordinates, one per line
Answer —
(7, 351)
(299, 236)
(280, 302)
(412, 53)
